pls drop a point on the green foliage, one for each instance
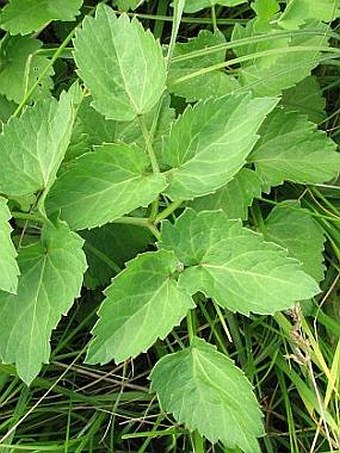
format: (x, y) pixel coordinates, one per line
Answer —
(154, 150)
(302, 153)
(199, 381)
(100, 130)
(21, 67)
(299, 12)
(296, 230)
(216, 83)
(265, 9)
(25, 16)
(51, 275)
(235, 197)
(109, 247)
(121, 64)
(146, 299)
(283, 61)
(33, 146)
(84, 197)
(193, 6)
(9, 270)
(233, 265)
(211, 128)
(125, 5)
(306, 97)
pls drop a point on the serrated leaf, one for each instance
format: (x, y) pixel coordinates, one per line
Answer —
(192, 6)
(269, 75)
(109, 247)
(306, 97)
(206, 391)
(33, 146)
(51, 276)
(121, 64)
(298, 12)
(296, 230)
(24, 16)
(142, 304)
(9, 269)
(215, 83)
(234, 265)
(103, 185)
(234, 198)
(291, 148)
(20, 69)
(224, 128)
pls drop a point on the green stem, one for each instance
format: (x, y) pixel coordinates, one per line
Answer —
(191, 326)
(149, 147)
(186, 20)
(154, 209)
(213, 19)
(329, 205)
(159, 25)
(155, 231)
(242, 42)
(27, 216)
(257, 217)
(223, 323)
(143, 222)
(177, 17)
(312, 213)
(138, 221)
(255, 56)
(149, 439)
(167, 211)
(153, 160)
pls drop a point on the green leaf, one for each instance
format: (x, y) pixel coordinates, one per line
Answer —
(192, 6)
(306, 97)
(7, 108)
(291, 148)
(224, 128)
(215, 83)
(109, 247)
(33, 146)
(265, 9)
(100, 130)
(125, 5)
(298, 12)
(103, 185)
(142, 304)
(206, 391)
(269, 75)
(79, 144)
(121, 64)
(20, 69)
(51, 276)
(25, 16)
(234, 198)
(233, 265)
(9, 269)
(296, 230)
